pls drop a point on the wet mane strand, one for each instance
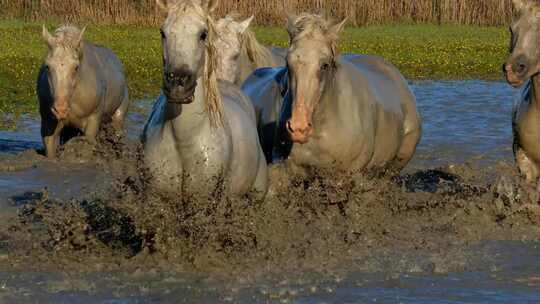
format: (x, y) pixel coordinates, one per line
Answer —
(213, 103)
(257, 53)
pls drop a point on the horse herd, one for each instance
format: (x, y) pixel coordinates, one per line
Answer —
(230, 107)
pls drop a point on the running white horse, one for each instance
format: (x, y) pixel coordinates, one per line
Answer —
(201, 135)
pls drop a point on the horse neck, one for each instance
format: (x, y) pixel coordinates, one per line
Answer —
(328, 106)
(189, 119)
(86, 76)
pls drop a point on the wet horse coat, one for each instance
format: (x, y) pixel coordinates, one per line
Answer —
(329, 111)
(201, 135)
(80, 85)
(523, 67)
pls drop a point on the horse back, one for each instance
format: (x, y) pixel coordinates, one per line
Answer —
(105, 60)
(387, 86)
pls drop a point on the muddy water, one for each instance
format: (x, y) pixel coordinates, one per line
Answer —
(459, 244)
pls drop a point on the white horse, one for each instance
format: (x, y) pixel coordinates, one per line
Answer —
(80, 85)
(239, 51)
(201, 134)
(330, 111)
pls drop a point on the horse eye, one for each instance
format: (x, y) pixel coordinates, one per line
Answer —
(204, 35)
(76, 68)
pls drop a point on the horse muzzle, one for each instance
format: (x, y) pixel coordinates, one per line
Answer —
(179, 95)
(299, 132)
(516, 70)
(513, 78)
(179, 88)
(60, 110)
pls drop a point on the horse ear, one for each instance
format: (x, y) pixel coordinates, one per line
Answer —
(163, 7)
(81, 37)
(291, 25)
(337, 28)
(47, 37)
(243, 26)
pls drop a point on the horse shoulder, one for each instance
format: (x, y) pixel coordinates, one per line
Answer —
(526, 118)
(233, 95)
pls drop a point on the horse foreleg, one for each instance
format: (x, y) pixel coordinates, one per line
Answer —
(50, 132)
(92, 128)
(260, 187)
(120, 115)
(408, 148)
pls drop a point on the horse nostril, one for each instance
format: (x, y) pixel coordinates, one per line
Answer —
(520, 65)
(289, 126)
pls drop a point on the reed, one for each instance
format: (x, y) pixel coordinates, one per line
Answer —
(271, 12)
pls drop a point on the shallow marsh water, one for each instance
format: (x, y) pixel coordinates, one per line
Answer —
(464, 122)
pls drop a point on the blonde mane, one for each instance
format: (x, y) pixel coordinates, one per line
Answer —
(67, 36)
(213, 102)
(315, 27)
(256, 52)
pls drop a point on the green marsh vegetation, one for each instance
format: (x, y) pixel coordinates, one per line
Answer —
(419, 51)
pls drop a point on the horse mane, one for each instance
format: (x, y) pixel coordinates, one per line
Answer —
(313, 26)
(67, 36)
(213, 102)
(256, 52)
(214, 105)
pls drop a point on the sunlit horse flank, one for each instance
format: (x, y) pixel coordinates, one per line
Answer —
(80, 85)
(522, 67)
(201, 134)
(239, 51)
(340, 112)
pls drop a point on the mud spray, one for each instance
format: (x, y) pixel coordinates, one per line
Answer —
(319, 223)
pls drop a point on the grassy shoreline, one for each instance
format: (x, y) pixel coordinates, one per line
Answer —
(419, 51)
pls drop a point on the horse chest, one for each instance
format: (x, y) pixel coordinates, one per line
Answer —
(205, 155)
(329, 149)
